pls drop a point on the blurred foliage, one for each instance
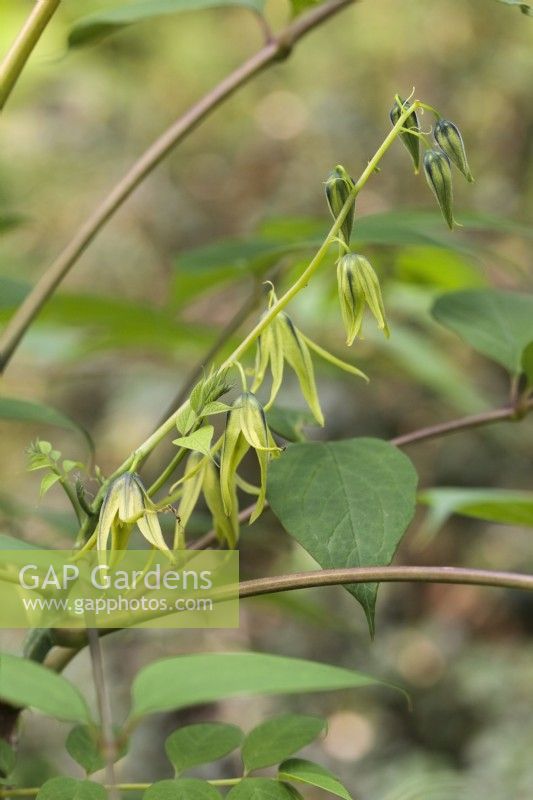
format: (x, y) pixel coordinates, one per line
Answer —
(240, 201)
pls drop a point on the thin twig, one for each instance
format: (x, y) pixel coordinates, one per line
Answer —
(339, 577)
(104, 710)
(507, 413)
(272, 51)
(23, 46)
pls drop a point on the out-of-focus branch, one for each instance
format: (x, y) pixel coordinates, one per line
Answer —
(23, 46)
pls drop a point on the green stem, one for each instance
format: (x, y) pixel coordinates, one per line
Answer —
(21, 49)
(315, 263)
(32, 791)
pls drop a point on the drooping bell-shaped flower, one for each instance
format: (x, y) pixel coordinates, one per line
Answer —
(246, 428)
(126, 504)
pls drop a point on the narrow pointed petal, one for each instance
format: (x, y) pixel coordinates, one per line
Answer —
(151, 530)
(226, 527)
(191, 489)
(369, 288)
(233, 451)
(297, 354)
(108, 512)
(131, 497)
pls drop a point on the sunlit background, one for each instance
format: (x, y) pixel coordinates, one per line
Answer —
(143, 305)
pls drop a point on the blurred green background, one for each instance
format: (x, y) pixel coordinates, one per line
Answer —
(146, 301)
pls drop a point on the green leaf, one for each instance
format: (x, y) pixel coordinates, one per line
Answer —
(101, 24)
(260, 789)
(16, 410)
(276, 739)
(202, 743)
(181, 789)
(297, 769)
(24, 683)
(496, 323)
(84, 747)
(71, 789)
(493, 505)
(525, 8)
(347, 503)
(7, 759)
(527, 363)
(47, 482)
(11, 543)
(289, 422)
(199, 440)
(183, 681)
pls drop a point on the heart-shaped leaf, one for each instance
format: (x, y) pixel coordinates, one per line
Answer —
(277, 739)
(496, 323)
(347, 503)
(202, 743)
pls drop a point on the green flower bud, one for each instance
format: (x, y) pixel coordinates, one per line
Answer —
(450, 141)
(410, 140)
(358, 287)
(338, 187)
(439, 178)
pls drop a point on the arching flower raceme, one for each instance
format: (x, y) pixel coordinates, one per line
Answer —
(410, 140)
(246, 428)
(125, 505)
(449, 139)
(359, 287)
(439, 178)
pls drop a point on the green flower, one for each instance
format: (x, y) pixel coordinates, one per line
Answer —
(358, 287)
(125, 505)
(246, 428)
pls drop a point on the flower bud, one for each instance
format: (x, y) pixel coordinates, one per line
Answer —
(450, 141)
(338, 187)
(359, 286)
(350, 299)
(410, 140)
(439, 178)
